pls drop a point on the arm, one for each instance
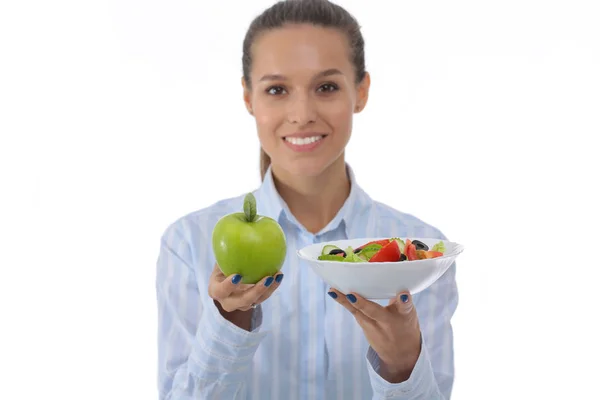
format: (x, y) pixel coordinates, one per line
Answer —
(433, 375)
(201, 355)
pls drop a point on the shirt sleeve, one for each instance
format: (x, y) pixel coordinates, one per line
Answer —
(433, 375)
(201, 355)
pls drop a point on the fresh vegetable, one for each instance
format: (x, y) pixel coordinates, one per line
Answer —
(424, 254)
(379, 242)
(401, 244)
(330, 248)
(331, 257)
(420, 245)
(439, 247)
(410, 251)
(388, 253)
(351, 256)
(249, 244)
(367, 252)
(384, 250)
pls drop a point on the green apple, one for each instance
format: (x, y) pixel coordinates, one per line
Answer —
(248, 244)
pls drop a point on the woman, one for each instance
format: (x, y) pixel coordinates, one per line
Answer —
(304, 78)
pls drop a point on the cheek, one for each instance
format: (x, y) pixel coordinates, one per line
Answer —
(265, 118)
(267, 122)
(267, 114)
(340, 116)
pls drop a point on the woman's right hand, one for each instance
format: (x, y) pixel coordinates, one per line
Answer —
(235, 296)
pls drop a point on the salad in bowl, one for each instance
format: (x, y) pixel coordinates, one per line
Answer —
(380, 268)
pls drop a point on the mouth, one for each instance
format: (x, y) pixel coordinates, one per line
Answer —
(303, 141)
(305, 144)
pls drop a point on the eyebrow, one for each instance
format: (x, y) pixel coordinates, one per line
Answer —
(323, 74)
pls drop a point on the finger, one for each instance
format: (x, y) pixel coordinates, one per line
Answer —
(272, 288)
(278, 278)
(245, 299)
(342, 299)
(222, 287)
(369, 308)
(242, 287)
(403, 303)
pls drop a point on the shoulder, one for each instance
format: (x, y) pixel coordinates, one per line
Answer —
(392, 221)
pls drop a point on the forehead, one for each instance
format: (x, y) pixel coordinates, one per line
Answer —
(298, 49)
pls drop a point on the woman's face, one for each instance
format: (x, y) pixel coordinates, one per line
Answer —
(303, 96)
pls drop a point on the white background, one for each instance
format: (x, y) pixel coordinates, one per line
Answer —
(118, 117)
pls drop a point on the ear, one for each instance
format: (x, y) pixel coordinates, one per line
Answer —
(362, 93)
(247, 96)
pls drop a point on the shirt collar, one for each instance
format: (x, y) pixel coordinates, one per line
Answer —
(270, 204)
(268, 201)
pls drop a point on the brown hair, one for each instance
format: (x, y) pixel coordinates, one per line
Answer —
(265, 161)
(316, 12)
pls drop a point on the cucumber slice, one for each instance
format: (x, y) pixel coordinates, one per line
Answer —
(328, 248)
(367, 252)
(401, 244)
(353, 257)
(329, 257)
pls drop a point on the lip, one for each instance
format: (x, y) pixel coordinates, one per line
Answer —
(305, 148)
(305, 134)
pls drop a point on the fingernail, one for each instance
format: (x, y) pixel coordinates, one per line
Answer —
(351, 297)
(279, 278)
(332, 294)
(404, 298)
(269, 281)
(236, 279)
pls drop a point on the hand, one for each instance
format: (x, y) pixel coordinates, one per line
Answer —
(392, 331)
(235, 296)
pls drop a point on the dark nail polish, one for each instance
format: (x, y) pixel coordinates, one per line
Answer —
(236, 279)
(269, 281)
(351, 297)
(332, 294)
(279, 278)
(404, 298)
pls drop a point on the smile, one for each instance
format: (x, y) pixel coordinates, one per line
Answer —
(304, 144)
(303, 141)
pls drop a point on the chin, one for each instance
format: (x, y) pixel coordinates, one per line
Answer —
(307, 167)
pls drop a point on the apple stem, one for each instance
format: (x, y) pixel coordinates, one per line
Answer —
(250, 207)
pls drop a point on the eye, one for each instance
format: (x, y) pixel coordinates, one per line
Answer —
(275, 90)
(328, 87)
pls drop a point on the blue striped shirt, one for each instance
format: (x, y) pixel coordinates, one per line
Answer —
(303, 345)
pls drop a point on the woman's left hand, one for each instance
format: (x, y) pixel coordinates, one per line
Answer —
(392, 331)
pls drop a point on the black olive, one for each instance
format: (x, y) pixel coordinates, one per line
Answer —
(337, 251)
(403, 257)
(420, 245)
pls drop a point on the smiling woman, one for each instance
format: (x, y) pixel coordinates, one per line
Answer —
(304, 114)
(304, 78)
(300, 141)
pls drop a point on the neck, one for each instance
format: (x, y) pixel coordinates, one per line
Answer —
(314, 200)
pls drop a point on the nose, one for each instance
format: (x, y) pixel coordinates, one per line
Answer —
(302, 110)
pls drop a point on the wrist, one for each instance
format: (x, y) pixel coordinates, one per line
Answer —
(397, 373)
(399, 369)
(241, 319)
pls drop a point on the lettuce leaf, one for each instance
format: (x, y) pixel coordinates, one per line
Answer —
(439, 246)
(351, 257)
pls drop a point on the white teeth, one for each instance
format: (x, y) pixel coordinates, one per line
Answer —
(303, 141)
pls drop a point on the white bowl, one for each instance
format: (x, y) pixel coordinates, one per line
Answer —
(380, 280)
